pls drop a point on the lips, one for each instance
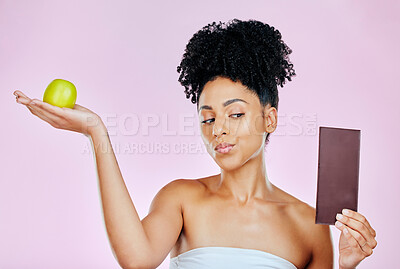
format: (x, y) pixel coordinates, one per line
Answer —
(224, 147)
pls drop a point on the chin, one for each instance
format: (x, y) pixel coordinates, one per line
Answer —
(228, 164)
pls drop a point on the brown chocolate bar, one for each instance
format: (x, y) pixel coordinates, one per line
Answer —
(338, 170)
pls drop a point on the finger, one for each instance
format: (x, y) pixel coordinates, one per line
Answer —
(360, 227)
(363, 244)
(358, 216)
(40, 115)
(361, 241)
(350, 239)
(22, 99)
(19, 93)
(47, 108)
(42, 111)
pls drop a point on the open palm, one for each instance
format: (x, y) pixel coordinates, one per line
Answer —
(78, 119)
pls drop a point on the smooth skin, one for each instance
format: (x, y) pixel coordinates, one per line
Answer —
(239, 207)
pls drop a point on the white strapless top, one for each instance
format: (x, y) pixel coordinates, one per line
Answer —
(228, 258)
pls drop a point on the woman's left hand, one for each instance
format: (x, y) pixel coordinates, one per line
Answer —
(357, 238)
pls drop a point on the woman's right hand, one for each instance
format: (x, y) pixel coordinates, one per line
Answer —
(79, 119)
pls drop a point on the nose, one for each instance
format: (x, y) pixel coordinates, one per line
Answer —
(220, 128)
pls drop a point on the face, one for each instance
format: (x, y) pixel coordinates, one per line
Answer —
(228, 112)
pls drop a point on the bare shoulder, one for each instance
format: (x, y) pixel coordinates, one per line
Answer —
(320, 241)
(306, 213)
(183, 185)
(302, 212)
(305, 216)
(181, 188)
(317, 236)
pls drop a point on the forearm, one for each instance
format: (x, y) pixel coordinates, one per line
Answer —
(124, 229)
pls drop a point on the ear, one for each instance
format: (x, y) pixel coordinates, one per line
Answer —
(270, 118)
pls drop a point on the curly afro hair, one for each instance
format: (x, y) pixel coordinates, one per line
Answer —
(249, 51)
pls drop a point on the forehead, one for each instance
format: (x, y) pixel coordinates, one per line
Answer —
(217, 91)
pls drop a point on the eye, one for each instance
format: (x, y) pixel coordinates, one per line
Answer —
(238, 115)
(206, 121)
(212, 119)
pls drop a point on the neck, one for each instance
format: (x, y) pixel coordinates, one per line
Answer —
(248, 182)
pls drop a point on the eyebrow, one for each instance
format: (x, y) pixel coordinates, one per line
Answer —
(226, 103)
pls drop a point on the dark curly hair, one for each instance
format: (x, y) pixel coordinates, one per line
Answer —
(249, 51)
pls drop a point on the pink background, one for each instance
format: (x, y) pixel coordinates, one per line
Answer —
(122, 57)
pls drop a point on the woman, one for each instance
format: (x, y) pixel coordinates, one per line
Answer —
(237, 218)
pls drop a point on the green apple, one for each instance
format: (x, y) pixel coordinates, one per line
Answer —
(61, 93)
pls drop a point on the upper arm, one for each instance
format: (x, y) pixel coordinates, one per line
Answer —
(322, 249)
(164, 222)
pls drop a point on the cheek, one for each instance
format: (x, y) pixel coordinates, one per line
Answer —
(207, 137)
(250, 143)
(206, 134)
(250, 127)
(250, 135)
